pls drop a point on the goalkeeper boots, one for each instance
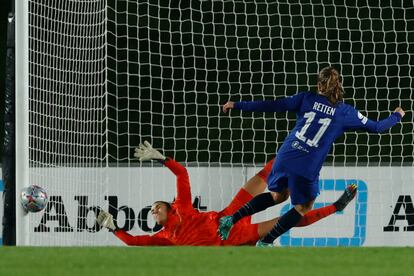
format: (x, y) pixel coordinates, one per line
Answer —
(346, 197)
(225, 225)
(260, 243)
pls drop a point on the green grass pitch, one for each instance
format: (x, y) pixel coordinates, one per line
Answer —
(224, 261)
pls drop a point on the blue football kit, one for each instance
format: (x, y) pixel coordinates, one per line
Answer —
(301, 156)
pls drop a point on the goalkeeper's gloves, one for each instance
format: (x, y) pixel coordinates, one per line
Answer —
(106, 220)
(146, 152)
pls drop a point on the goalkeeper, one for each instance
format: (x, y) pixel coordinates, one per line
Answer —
(184, 225)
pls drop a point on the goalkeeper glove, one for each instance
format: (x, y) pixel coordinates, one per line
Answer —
(106, 220)
(147, 152)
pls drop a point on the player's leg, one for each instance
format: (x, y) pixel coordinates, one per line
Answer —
(310, 217)
(316, 214)
(277, 183)
(261, 201)
(285, 223)
(346, 197)
(257, 184)
(303, 193)
(257, 204)
(243, 233)
(254, 186)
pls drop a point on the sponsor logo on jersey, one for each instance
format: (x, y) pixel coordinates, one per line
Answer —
(362, 118)
(297, 145)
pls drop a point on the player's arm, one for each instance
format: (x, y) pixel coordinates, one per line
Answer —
(183, 182)
(146, 152)
(355, 120)
(105, 220)
(280, 105)
(128, 239)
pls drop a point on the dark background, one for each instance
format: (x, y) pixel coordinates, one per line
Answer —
(171, 65)
(187, 58)
(4, 10)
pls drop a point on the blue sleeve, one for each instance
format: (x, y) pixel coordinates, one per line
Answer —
(292, 103)
(354, 120)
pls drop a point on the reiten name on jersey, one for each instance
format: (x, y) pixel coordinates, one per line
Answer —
(324, 108)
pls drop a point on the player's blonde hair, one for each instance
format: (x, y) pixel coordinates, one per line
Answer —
(330, 84)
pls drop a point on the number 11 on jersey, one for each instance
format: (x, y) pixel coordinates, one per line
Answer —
(310, 116)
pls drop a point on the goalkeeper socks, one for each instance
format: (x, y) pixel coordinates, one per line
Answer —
(257, 204)
(287, 221)
(316, 214)
(264, 173)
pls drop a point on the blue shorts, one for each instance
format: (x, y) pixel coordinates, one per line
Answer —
(301, 189)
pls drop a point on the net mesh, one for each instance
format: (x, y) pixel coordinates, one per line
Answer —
(106, 75)
(172, 65)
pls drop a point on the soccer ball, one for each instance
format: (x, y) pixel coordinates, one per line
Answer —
(33, 198)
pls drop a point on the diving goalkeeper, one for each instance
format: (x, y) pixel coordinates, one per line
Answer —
(184, 225)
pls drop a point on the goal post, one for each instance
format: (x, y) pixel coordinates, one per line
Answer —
(96, 77)
(22, 114)
(60, 118)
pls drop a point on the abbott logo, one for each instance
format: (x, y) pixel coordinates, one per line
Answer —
(403, 212)
(357, 238)
(55, 213)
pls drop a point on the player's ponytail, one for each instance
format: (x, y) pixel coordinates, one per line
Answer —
(330, 85)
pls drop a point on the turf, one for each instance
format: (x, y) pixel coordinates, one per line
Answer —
(205, 261)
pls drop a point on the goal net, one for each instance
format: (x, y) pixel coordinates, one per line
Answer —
(100, 76)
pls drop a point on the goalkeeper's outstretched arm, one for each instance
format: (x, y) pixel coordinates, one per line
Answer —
(105, 220)
(146, 152)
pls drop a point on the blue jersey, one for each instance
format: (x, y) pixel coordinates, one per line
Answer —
(318, 124)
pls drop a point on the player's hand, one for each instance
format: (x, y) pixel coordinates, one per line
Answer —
(227, 106)
(146, 152)
(106, 220)
(400, 110)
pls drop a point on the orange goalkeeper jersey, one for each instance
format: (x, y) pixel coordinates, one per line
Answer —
(188, 226)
